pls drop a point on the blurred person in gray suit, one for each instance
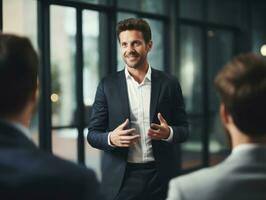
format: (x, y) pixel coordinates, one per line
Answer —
(241, 85)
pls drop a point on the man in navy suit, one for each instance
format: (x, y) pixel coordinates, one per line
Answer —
(138, 120)
(26, 172)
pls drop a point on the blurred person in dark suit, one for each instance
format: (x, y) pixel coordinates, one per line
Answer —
(27, 172)
(241, 85)
(138, 120)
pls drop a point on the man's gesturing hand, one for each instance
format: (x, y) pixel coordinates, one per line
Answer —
(159, 132)
(122, 137)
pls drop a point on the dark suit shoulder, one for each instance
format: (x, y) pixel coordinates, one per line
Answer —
(113, 77)
(25, 170)
(166, 77)
(59, 166)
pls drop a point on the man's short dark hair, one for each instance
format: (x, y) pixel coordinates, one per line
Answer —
(134, 24)
(242, 88)
(18, 73)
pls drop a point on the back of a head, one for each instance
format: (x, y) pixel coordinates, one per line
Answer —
(18, 73)
(241, 85)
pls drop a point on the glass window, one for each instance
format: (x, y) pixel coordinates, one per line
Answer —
(191, 9)
(158, 6)
(132, 5)
(258, 26)
(124, 15)
(156, 55)
(220, 51)
(192, 149)
(92, 157)
(20, 17)
(63, 50)
(218, 8)
(25, 13)
(151, 6)
(101, 2)
(64, 143)
(219, 140)
(190, 74)
(91, 73)
(93, 70)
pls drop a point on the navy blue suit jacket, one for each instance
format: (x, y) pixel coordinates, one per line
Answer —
(26, 172)
(111, 108)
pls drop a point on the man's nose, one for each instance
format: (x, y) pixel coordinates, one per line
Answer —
(130, 47)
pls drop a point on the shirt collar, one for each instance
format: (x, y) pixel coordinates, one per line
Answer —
(147, 76)
(244, 147)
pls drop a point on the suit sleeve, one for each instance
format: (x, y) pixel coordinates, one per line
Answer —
(97, 131)
(180, 127)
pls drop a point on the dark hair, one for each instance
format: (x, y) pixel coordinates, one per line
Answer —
(242, 88)
(18, 73)
(134, 24)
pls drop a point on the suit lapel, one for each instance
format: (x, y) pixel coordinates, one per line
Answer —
(123, 93)
(123, 103)
(155, 91)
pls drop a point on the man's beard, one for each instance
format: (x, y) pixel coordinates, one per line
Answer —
(138, 63)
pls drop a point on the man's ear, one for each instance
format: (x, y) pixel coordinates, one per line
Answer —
(224, 114)
(149, 45)
(226, 119)
(35, 93)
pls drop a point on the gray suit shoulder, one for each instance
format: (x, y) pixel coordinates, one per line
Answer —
(240, 176)
(198, 182)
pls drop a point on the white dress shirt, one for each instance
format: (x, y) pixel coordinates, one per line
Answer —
(139, 95)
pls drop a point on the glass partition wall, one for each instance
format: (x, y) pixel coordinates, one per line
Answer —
(77, 44)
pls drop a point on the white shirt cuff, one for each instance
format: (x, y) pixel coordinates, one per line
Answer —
(109, 141)
(170, 138)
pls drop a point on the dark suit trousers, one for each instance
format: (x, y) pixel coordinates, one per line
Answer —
(141, 182)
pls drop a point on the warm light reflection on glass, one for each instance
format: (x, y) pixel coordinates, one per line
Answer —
(263, 50)
(211, 33)
(54, 97)
(187, 71)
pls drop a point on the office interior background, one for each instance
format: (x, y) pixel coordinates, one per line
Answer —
(77, 46)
